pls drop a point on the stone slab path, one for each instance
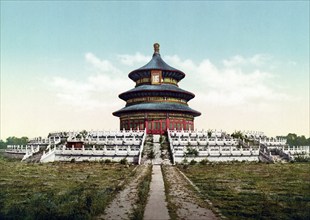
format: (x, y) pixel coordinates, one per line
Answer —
(123, 204)
(156, 147)
(156, 207)
(188, 204)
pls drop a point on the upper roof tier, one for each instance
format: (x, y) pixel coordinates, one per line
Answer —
(156, 63)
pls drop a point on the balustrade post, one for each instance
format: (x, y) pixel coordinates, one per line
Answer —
(128, 149)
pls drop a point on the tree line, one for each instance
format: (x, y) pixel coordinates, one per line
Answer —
(14, 141)
(291, 139)
(294, 140)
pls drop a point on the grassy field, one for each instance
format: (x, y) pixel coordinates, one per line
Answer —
(255, 190)
(58, 190)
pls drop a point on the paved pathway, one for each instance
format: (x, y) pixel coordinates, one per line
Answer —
(156, 147)
(156, 207)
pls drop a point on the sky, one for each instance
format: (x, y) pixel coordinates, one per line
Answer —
(64, 63)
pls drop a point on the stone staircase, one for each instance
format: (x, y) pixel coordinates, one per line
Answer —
(35, 158)
(273, 155)
(164, 147)
(155, 150)
(147, 150)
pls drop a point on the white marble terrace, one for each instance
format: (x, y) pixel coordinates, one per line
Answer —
(220, 147)
(99, 145)
(117, 145)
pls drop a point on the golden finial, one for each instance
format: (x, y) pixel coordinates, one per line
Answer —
(156, 48)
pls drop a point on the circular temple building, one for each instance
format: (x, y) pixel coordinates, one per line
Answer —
(156, 103)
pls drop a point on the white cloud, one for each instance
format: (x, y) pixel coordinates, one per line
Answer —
(103, 66)
(230, 84)
(243, 96)
(226, 85)
(131, 60)
(256, 60)
(98, 90)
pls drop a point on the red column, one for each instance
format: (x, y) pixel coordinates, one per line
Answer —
(167, 122)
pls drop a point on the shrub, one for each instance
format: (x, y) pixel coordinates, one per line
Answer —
(185, 161)
(204, 161)
(193, 162)
(185, 166)
(192, 152)
(302, 158)
(107, 161)
(124, 161)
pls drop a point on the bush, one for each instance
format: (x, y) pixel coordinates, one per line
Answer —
(302, 158)
(107, 161)
(185, 166)
(185, 161)
(124, 161)
(193, 162)
(204, 161)
(191, 152)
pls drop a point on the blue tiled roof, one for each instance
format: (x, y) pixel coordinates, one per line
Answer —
(156, 63)
(162, 90)
(161, 106)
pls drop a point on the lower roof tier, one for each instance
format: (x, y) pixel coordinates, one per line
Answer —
(157, 90)
(160, 107)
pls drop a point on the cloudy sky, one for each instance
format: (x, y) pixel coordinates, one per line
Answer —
(63, 64)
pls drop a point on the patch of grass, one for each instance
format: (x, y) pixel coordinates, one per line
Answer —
(58, 190)
(172, 208)
(143, 191)
(255, 190)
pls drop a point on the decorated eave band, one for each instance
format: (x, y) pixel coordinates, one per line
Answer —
(139, 74)
(160, 90)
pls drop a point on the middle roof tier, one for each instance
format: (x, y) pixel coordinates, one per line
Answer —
(163, 90)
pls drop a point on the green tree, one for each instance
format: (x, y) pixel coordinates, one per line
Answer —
(294, 140)
(2, 144)
(17, 141)
(237, 134)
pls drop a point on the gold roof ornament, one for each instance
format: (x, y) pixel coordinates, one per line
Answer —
(156, 47)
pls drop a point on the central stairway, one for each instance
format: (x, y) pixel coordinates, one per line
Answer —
(156, 150)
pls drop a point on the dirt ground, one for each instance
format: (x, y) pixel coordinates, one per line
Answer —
(123, 204)
(187, 204)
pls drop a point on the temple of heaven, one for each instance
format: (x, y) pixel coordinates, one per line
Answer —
(156, 103)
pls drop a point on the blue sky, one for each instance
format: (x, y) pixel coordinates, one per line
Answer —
(42, 42)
